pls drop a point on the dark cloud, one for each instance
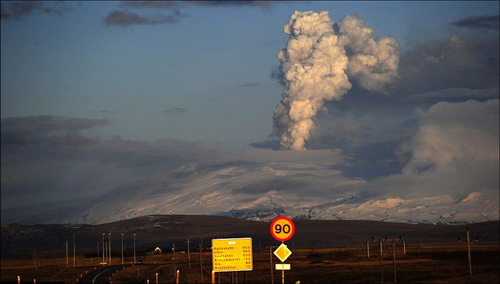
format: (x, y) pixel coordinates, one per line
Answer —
(175, 110)
(267, 144)
(231, 3)
(105, 111)
(479, 22)
(49, 158)
(19, 9)
(14, 128)
(459, 62)
(459, 94)
(151, 4)
(35, 138)
(127, 18)
(246, 85)
(46, 138)
(177, 4)
(457, 69)
(277, 75)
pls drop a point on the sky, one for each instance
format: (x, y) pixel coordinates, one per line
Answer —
(95, 94)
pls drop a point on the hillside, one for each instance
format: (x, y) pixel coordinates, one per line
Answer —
(164, 230)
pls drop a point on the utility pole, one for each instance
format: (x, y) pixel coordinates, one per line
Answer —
(173, 257)
(271, 261)
(468, 250)
(109, 244)
(122, 248)
(74, 252)
(103, 245)
(201, 260)
(393, 240)
(189, 254)
(394, 259)
(67, 256)
(380, 256)
(106, 251)
(381, 264)
(97, 251)
(134, 250)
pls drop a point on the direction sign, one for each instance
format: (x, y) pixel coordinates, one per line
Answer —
(282, 252)
(232, 254)
(282, 228)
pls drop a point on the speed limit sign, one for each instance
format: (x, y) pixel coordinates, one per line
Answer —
(282, 228)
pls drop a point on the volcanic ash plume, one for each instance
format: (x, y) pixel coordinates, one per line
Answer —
(317, 66)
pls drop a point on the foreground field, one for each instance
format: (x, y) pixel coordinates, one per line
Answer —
(421, 264)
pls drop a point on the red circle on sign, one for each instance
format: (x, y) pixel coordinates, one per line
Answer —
(282, 228)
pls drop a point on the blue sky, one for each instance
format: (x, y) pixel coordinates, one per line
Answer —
(204, 77)
(120, 90)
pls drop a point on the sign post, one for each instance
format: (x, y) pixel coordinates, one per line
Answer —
(282, 229)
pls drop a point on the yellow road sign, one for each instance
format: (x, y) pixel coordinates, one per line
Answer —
(282, 252)
(232, 254)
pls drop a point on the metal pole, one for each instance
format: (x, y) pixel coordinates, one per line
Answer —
(97, 250)
(189, 254)
(109, 245)
(74, 253)
(201, 264)
(394, 259)
(134, 250)
(173, 257)
(67, 256)
(106, 252)
(122, 248)
(103, 254)
(381, 265)
(468, 252)
(271, 261)
(282, 276)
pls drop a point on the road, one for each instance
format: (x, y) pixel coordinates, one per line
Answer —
(101, 275)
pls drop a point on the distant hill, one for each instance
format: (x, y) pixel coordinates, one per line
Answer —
(164, 230)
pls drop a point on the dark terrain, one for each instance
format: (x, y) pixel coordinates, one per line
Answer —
(164, 230)
(323, 252)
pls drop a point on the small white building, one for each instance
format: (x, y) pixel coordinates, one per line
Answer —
(157, 251)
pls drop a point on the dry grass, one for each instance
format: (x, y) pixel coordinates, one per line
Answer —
(422, 264)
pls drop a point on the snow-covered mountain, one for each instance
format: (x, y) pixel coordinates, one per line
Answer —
(263, 191)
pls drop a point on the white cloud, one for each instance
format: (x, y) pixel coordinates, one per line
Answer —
(457, 138)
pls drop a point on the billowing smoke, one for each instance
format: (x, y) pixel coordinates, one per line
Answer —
(319, 63)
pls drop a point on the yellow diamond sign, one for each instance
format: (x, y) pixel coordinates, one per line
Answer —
(282, 252)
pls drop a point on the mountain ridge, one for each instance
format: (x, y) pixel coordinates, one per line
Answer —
(262, 191)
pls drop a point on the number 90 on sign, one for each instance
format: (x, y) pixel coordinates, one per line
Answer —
(282, 228)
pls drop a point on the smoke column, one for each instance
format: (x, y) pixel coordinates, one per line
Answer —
(319, 63)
